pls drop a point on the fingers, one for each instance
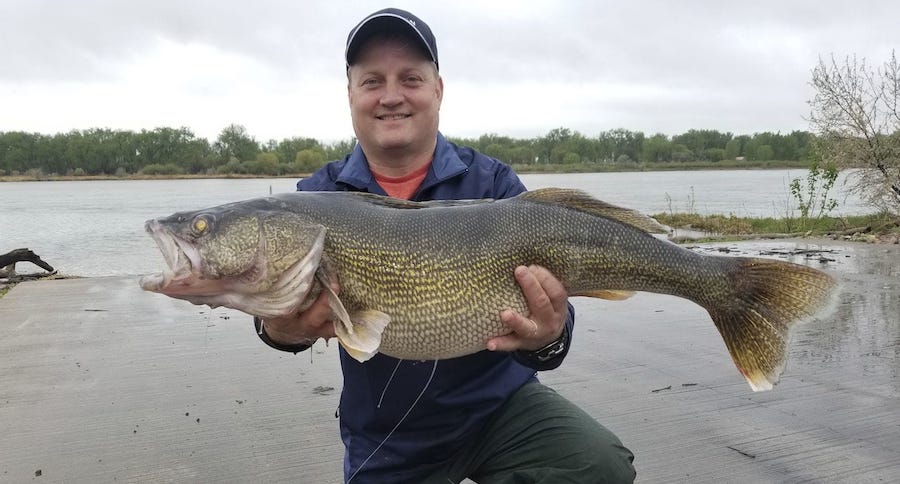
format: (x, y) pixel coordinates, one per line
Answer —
(310, 325)
(523, 329)
(546, 298)
(544, 293)
(528, 279)
(317, 315)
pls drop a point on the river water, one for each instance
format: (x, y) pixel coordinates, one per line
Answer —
(95, 228)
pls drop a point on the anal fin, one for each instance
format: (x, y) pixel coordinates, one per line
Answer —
(608, 294)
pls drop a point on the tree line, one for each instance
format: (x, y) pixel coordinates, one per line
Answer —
(564, 146)
(174, 151)
(161, 151)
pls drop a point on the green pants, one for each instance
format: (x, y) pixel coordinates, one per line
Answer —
(539, 436)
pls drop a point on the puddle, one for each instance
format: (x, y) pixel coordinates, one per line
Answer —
(859, 342)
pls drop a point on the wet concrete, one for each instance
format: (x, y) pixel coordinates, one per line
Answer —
(101, 382)
(861, 339)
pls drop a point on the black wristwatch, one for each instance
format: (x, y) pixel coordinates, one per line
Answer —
(261, 332)
(549, 352)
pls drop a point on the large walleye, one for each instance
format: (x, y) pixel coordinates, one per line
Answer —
(429, 280)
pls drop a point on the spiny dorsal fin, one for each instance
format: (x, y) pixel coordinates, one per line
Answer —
(581, 201)
(407, 204)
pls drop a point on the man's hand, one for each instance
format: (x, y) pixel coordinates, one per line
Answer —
(306, 327)
(548, 308)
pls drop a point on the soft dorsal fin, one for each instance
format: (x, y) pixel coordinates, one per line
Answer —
(581, 201)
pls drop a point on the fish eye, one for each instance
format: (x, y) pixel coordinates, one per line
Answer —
(199, 225)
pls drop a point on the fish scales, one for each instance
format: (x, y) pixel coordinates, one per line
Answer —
(422, 282)
(469, 256)
(429, 280)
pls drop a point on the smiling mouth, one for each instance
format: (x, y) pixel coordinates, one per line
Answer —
(393, 117)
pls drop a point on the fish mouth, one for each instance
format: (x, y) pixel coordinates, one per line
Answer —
(183, 259)
(251, 292)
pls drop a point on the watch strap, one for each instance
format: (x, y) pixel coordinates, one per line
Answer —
(549, 352)
(292, 348)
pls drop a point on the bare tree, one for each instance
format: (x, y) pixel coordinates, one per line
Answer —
(855, 112)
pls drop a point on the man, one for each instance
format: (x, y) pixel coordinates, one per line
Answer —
(483, 416)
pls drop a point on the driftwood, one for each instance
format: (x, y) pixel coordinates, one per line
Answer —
(855, 230)
(8, 262)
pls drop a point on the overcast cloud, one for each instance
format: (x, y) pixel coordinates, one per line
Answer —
(511, 68)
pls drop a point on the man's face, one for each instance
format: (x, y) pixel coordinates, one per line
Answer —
(395, 96)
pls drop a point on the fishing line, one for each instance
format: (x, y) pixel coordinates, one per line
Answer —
(386, 385)
(206, 332)
(427, 383)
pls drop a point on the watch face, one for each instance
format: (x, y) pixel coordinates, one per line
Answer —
(552, 350)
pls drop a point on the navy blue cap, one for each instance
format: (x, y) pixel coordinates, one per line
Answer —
(386, 20)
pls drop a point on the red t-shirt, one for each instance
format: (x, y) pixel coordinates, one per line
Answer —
(402, 187)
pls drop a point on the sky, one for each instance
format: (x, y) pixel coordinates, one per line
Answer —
(512, 68)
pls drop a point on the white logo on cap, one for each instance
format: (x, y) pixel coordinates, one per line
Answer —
(411, 22)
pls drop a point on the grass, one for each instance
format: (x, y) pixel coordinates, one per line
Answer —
(731, 225)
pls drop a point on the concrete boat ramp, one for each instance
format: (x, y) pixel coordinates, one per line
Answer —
(101, 382)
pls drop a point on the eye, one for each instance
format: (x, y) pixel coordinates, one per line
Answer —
(199, 225)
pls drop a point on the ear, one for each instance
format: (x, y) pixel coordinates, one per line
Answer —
(440, 90)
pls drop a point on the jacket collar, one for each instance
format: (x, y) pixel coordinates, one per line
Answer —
(445, 164)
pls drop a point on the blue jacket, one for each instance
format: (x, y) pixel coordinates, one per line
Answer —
(463, 392)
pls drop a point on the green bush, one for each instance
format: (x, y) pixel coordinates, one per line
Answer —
(231, 168)
(162, 169)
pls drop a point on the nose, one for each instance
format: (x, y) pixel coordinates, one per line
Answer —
(393, 94)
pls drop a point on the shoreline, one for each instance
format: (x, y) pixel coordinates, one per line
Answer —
(520, 169)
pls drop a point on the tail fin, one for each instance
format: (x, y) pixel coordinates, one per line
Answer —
(770, 298)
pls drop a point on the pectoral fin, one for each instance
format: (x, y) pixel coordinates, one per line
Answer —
(360, 333)
(363, 342)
